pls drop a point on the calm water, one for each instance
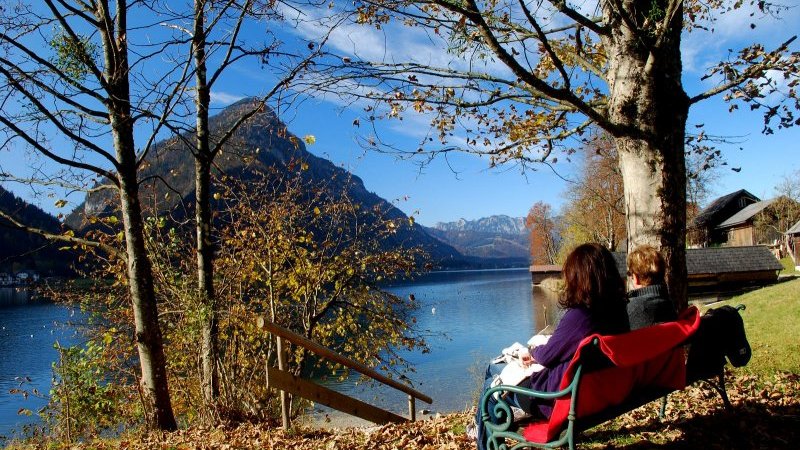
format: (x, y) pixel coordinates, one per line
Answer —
(480, 312)
(28, 330)
(474, 313)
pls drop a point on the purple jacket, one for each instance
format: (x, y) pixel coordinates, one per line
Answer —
(575, 325)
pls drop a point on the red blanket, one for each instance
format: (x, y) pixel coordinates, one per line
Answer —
(645, 357)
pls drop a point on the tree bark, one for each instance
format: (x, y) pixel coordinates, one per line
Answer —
(649, 108)
(149, 341)
(205, 252)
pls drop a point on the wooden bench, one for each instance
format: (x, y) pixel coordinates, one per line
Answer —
(609, 376)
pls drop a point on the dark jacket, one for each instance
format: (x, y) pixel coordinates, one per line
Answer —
(650, 305)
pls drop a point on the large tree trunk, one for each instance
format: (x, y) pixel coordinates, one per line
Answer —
(205, 252)
(145, 311)
(649, 108)
(155, 388)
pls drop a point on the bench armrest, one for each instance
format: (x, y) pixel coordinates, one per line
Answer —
(498, 418)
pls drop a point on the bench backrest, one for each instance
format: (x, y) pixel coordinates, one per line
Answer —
(640, 359)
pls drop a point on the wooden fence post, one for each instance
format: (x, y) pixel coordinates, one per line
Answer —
(285, 420)
(287, 383)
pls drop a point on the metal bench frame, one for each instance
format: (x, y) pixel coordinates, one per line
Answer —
(503, 426)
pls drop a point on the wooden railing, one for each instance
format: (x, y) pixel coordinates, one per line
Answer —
(284, 381)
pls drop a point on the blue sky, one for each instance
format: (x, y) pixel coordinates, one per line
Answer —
(439, 194)
(462, 186)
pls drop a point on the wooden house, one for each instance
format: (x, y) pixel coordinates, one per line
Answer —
(702, 231)
(710, 268)
(793, 243)
(762, 223)
(740, 230)
(730, 267)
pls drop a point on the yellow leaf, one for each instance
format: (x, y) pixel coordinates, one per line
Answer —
(309, 139)
(316, 211)
(60, 203)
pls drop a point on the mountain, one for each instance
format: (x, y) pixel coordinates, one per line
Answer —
(20, 250)
(496, 237)
(263, 141)
(500, 224)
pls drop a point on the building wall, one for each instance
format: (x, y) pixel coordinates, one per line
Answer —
(740, 237)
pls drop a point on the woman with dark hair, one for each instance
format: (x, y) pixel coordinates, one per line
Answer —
(594, 302)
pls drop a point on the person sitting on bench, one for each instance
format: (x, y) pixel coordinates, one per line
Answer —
(648, 301)
(594, 300)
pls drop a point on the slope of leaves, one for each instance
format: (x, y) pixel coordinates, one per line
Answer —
(765, 414)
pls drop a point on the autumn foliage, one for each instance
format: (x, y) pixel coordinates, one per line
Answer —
(542, 229)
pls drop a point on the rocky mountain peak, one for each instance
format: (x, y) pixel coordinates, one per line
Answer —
(497, 224)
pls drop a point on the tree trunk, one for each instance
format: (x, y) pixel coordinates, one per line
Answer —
(155, 387)
(148, 333)
(205, 273)
(649, 108)
(205, 252)
(149, 342)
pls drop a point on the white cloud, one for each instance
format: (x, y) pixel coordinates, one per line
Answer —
(393, 43)
(224, 98)
(732, 30)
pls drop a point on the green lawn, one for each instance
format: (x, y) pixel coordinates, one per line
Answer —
(788, 266)
(772, 322)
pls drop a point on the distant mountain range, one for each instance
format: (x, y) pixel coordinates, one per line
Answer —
(20, 250)
(494, 237)
(499, 224)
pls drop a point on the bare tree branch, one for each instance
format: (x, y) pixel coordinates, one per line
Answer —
(62, 237)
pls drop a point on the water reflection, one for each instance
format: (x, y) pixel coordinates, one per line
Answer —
(28, 329)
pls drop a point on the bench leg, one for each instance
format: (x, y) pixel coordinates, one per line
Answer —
(719, 386)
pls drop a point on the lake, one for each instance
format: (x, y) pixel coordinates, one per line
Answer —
(479, 313)
(474, 314)
(28, 330)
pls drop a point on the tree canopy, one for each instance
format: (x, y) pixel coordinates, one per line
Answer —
(525, 80)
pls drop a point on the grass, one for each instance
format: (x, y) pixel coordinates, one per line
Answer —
(788, 266)
(772, 323)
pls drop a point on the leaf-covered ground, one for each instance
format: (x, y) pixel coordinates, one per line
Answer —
(766, 415)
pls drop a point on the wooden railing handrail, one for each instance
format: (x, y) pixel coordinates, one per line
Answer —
(333, 356)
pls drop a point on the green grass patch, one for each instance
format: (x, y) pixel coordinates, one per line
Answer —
(772, 323)
(788, 266)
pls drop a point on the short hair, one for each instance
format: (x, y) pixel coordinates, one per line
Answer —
(592, 281)
(647, 264)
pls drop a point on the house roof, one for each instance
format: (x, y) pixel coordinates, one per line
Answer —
(795, 229)
(709, 212)
(754, 258)
(715, 260)
(746, 214)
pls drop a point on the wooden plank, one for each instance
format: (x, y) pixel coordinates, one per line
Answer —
(286, 381)
(335, 357)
